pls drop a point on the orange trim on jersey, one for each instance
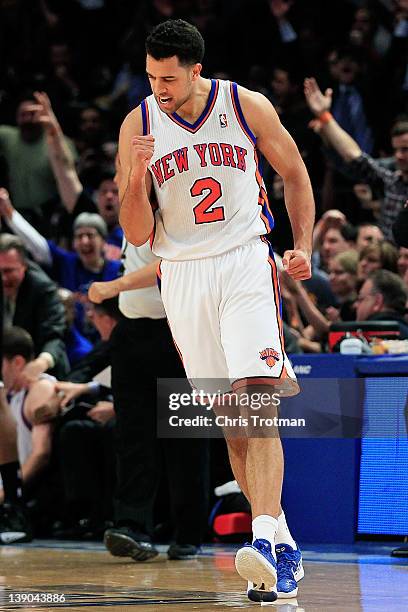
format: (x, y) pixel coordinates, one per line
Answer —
(286, 385)
(147, 118)
(263, 196)
(276, 291)
(177, 348)
(259, 380)
(195, 129)
(159, 278)
(155, 207)
(172, 337)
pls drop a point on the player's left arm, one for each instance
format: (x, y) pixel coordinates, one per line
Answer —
(280, 150)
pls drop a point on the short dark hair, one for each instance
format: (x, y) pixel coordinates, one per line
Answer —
(109, 307)
(399, 128)
(17, 341)
(106, 172)
(349, 232)
(367, 224)
(392, 289)
(9, 242)
(176, 37)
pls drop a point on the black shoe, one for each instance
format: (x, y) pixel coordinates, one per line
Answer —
(179, 552)
(401, 552)
(124, 542)
(85, 529)
(14, 524)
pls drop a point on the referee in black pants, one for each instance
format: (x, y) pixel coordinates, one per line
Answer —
(142, 350)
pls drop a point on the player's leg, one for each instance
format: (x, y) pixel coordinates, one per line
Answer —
(256, 561)
(191, 298)
(286, 547)
(237, 453)
(253, 345)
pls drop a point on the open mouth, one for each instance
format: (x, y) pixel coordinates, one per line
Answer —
(164, 100)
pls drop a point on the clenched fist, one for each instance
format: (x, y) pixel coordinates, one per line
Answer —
(297, 264)
(142, 149)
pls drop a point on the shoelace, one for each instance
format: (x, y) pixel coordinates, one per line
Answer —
(286, 566)
(264, 548)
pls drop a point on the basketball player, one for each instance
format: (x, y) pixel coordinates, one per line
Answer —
(190, 180)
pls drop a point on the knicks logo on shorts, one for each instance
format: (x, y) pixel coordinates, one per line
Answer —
(270, 356)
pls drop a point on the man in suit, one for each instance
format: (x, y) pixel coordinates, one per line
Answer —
(31, 302)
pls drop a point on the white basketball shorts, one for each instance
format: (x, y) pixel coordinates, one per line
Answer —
(224, 315)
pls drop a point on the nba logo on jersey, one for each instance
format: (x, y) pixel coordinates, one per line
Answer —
(223, 120)
(270, 356)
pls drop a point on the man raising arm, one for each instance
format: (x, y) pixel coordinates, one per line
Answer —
(363, 166)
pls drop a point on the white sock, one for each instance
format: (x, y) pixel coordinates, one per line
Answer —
(283, 535)
(265, 527)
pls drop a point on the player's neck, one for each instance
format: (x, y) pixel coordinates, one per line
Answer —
(193, 108)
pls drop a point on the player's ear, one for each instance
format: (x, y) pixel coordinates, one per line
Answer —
(197, 71)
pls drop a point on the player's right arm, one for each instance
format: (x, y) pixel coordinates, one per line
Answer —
(134, 181)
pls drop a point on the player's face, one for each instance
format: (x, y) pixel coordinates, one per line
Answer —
(171, 82)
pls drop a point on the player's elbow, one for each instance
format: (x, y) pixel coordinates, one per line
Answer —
(136, 236)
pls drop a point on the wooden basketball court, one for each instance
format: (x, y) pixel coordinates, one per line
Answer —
(85, 577)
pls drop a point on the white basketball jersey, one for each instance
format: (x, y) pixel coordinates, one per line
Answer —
(140, 303)
(24, 438)
(209, 191)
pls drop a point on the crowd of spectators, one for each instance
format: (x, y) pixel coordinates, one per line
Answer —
(337, 74)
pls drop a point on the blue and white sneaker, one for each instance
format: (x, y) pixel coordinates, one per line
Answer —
(256, 564)
(290, 570)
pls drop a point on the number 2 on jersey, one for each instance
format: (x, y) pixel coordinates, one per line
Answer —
(202, 212)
